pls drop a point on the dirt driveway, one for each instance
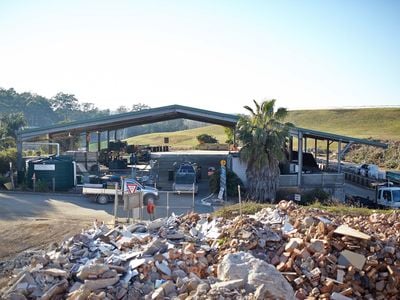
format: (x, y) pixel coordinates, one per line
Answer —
(33, 221)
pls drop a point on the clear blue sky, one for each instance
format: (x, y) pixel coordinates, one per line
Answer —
(216, 55)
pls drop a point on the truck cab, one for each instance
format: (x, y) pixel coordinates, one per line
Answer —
(388, 197)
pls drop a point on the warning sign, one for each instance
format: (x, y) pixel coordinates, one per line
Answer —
(131, 187)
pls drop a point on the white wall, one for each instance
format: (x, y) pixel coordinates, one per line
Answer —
(239, 168)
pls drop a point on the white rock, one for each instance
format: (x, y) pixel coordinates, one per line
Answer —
(230, 284)
(255, 272)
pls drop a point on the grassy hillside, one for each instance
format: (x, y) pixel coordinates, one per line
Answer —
(184, 139)
(376, 123)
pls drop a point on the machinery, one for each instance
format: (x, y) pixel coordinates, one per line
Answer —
(186, 178)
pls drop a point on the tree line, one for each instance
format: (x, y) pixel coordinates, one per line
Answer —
(39, 111)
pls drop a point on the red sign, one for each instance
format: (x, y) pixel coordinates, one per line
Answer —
(131, 187)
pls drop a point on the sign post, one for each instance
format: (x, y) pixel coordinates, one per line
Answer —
(116, 203)
(12, 176)
(34, 182)
(240, 200)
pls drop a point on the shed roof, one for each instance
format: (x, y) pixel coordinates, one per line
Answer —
(164, 113)
(320, 135)
(125, 120)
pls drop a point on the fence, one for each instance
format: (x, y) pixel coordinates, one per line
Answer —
(134, 206)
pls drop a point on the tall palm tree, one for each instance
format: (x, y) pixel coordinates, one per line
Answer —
(263, 135)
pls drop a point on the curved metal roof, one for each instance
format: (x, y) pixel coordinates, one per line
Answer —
(125, 120)
(320, 135)
(170, 112)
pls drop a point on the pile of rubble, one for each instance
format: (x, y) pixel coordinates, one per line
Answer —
(284, 253)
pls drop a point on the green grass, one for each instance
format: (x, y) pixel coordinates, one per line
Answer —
(249, 208)
(341, 209)
(185, 139)
(375, 123)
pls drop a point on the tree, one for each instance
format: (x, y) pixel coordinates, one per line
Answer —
(229, 135)
(12, 123)
(64, 104)
(263, 136)
(9, 125)
(206, 138)
(139, 106)
(87, 107)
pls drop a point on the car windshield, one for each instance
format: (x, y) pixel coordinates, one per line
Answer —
(396, 195)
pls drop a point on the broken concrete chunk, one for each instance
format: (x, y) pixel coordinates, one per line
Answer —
(92, 270)
(163, 267)
(56, 289)
(158, 294)
(169, 288)
(347, 258)
(346, 230)
(100, 283)
(337, 296)
(135, 263)
(157, 245)
(16, 296)
(255, 272)
(316, 246)
(294, 243)
(55, 272)
(175, 236)
(156, 224)
(230, 284)
(340, 275)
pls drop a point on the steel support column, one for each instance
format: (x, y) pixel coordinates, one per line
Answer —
(290, 149)
(300, 158)
(315, 149)
(98, 141)
(327, 154)
(339, 158)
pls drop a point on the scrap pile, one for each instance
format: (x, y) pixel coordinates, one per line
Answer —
(284, 253)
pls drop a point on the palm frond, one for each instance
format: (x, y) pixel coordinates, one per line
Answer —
(249, 109)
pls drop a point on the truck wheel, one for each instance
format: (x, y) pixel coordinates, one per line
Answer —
(102, 199)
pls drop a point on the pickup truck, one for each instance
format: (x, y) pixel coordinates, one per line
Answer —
(104, 195)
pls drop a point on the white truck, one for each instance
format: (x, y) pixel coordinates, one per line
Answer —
(104, 195)
(386, 196)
